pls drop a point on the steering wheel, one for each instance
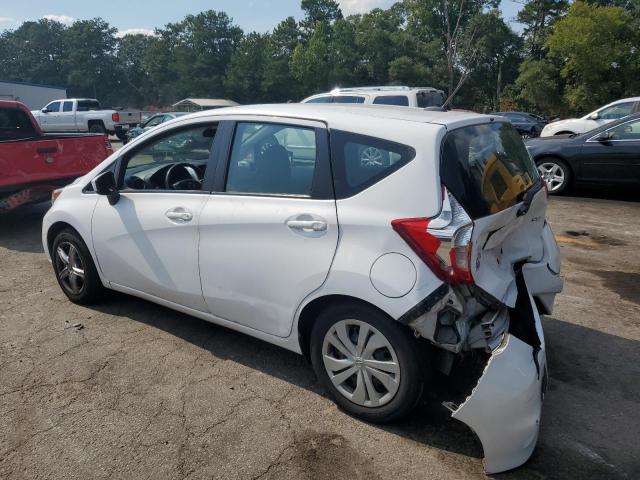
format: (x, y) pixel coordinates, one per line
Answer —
(182, 176)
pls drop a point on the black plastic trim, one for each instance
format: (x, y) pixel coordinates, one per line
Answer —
(425, 305)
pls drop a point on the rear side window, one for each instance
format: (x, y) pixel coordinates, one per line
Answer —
(360, 161)
(486, 167)
(67, 107)
(86, 105)
(14, 123)
(348, 99)
(401, 100)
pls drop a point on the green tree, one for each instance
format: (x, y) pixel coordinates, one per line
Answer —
(497, 58)
(539, 87)
(138, 89)
(245, 74)
(319, 11)
(278, 83)
(538, 16)
(89, 60)
(192, 56)
(33, 53)
(598, 48)
(310, 62)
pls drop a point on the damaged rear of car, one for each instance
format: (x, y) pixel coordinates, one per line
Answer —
(499, 265)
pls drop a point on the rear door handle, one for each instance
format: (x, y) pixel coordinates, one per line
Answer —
(44, 150)
(312, 225)
(179, 214)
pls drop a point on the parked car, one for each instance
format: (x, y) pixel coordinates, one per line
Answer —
(602, 116)
(85, 115)
(269, 220)
(33, 164)
(606, 155)
(528, 125)
(421, 97)
(151, 122)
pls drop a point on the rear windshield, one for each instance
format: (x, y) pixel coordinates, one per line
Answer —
(486, 167)
(14, 124)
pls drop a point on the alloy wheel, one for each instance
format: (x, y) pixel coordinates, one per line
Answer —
(361, 363)
(553, 175)
(69, 267)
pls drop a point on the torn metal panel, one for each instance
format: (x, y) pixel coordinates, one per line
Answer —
(505, 406)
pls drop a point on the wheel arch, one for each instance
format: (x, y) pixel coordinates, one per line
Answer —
(311, 310)
(55, 229)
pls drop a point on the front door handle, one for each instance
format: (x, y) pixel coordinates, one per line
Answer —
(310, 225)
(179, 214)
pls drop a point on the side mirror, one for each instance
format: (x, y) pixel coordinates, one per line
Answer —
(594, 116)
(45, 110)
(105, 184)
(603, 137)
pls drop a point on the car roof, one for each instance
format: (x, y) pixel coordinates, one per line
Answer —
(339, 114)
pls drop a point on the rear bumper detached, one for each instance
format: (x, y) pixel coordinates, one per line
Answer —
(505, 406)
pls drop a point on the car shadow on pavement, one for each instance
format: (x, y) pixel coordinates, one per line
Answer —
(20, 228)
(430, 423)
(590, 419)
(589, 428)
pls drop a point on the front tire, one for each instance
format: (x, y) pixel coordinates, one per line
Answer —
(372, 367)
(74, 268)
(555, 173)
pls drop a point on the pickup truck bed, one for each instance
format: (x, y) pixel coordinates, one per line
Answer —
(33, 164)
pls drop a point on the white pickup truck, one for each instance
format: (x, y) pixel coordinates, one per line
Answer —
(85, 115)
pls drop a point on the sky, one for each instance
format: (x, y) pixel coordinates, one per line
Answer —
(140, 16)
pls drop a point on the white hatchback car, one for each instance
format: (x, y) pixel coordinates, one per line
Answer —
(610, 112)
(383, 243)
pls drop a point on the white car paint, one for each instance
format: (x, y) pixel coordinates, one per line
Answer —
(608, 113)
(236, 260)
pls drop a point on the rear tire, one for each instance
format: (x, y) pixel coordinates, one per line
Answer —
(388, 366)
(97, 128)
(555, 173)
(75, 270)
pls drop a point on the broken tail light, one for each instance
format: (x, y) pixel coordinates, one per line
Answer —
(443, 243)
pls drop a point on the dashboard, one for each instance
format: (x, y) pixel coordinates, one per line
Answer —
(166, 176)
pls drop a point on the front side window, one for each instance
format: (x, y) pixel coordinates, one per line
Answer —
(154, 121)
(616, 111)
(486, 167)
(53, 107)
(67, 107)
(177, 161)
(326, 99)
(272, 159)
(626, 131)
(401, 100)
(359, 161)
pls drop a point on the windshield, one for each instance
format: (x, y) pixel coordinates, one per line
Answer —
(486, 167)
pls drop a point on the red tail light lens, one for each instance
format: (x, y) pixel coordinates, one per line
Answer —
(443, 243)
(414, 232)
(115, 116)
(107, 144)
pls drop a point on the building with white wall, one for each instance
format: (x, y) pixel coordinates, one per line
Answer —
(32, 95)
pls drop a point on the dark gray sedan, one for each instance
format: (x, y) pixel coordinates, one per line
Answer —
(609, 154)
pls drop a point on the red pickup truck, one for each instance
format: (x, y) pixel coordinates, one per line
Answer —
(33, 164)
